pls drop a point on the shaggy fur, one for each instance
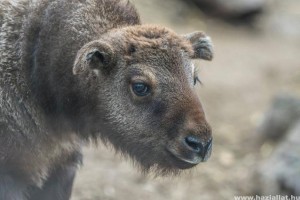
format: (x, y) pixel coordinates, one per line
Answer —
(66, 69)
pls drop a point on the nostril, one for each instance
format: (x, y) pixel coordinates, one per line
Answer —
(194, 143)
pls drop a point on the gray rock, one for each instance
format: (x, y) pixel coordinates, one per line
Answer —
(231, 8)
(281, 116)
(280, 174)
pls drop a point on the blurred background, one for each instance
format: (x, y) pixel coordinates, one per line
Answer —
(251, 94)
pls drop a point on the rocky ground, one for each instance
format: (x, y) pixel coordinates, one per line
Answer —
(251, 65)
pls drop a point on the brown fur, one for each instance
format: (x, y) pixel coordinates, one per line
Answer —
(66, 73)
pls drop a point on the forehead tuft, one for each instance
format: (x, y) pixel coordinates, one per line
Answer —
(156, 37)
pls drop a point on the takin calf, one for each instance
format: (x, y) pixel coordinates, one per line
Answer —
(75, 70)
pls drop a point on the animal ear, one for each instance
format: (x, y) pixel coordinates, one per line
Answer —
(202, 45)
(96, 55)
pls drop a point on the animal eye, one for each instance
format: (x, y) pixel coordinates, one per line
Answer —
(140, 89)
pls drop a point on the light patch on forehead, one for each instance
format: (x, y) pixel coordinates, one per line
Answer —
(188, 65)
(193, 68)
(189, 68)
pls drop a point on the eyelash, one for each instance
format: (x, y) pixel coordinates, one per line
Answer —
(196, 78)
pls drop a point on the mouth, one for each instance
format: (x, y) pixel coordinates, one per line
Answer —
(182, 162)
(185, 160)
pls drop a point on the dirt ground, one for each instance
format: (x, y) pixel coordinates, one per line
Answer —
(251, 65)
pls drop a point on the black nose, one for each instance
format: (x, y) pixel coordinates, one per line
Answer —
(195, 144)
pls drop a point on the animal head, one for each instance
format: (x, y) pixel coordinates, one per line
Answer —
(143, 81)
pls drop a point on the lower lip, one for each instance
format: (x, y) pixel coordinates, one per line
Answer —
(180, 163)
